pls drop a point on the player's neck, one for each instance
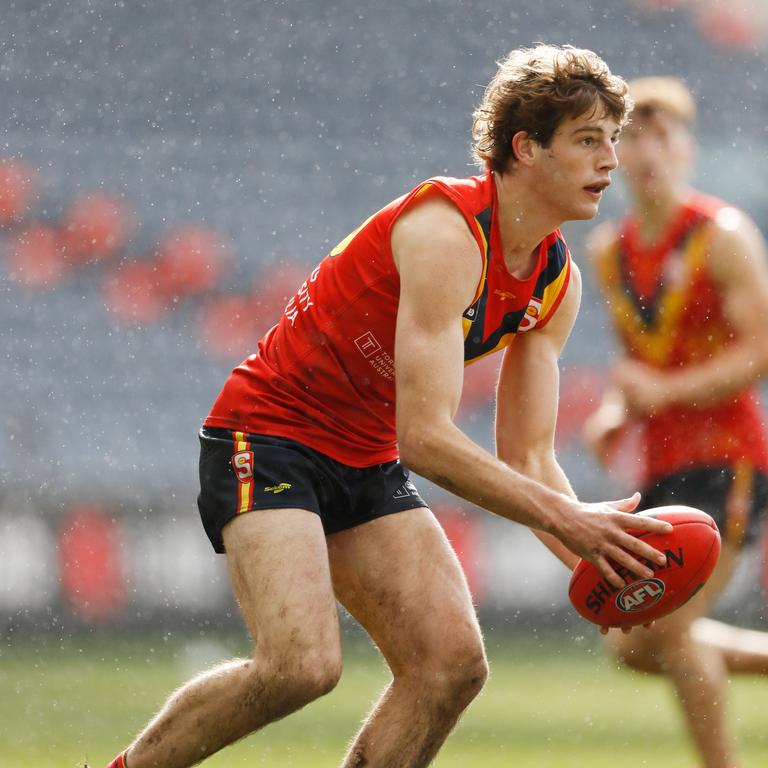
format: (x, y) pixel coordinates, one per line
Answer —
(523, 223)
(654, 213)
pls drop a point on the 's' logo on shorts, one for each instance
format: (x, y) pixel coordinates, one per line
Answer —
(242, 463)
(277, 488)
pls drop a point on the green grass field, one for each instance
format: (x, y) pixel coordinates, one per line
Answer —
(559, 706)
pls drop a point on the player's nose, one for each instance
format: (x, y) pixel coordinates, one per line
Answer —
(609, 160)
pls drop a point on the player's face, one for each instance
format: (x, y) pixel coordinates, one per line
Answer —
(577, 165)
(655, 155)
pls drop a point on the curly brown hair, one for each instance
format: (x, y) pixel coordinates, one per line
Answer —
(534, 90)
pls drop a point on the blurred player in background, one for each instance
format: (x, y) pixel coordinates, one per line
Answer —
(301, 483)
(686, 280)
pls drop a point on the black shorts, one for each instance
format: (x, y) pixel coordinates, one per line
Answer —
(262, 472)
(734, 496)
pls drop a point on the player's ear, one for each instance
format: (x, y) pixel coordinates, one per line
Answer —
(523, 147)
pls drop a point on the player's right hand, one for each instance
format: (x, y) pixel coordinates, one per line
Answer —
(600, 534)
(602, 431)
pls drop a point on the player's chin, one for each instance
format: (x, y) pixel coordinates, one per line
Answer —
(585, 211)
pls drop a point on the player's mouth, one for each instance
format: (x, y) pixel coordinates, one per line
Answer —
(596, 190)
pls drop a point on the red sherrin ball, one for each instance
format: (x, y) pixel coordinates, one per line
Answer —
(692, 550)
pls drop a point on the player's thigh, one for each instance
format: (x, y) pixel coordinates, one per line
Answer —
(400, 578)
(278, 565)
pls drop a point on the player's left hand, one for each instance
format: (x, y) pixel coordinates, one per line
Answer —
(645, 389)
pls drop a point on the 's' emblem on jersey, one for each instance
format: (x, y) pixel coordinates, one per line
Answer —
(531, 316)
(277, 488)
(242, 463)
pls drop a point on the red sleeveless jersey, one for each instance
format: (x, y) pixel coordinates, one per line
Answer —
(325, 374)
(668, 313)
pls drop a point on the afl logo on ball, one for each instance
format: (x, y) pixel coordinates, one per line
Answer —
(640, 595)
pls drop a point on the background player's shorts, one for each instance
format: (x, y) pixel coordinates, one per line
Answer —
(243, 472)
(734, 496)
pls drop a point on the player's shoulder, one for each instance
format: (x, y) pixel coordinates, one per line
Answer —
(728, 222)
(729, 225)
(432, 221)
(735, 246)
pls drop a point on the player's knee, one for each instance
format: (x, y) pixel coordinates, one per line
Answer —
(311, 673)
(320, 672)
(303, 676)
(459, 675)
(631, 653)
(473, 674)
(641, 660)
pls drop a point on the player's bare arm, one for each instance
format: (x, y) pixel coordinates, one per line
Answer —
(438, 279)
(738, 262)
(526, 410)
(526, 417)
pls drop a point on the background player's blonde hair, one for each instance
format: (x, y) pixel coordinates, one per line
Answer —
(669, 94)
(534, 90)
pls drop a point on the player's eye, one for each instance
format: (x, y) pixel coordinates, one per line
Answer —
(588, 141)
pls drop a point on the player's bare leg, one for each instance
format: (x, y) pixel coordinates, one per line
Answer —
(399, 577)
(744, 651)
(697, 669)
(278, 564)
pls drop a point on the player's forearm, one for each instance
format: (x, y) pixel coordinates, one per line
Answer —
(722, 377)
(547, 471)
(447, 457)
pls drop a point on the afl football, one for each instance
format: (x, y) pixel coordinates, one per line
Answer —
(692, 549)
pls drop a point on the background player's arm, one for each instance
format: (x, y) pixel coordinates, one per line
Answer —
(439, 269)
(737, 261)
(527, 400)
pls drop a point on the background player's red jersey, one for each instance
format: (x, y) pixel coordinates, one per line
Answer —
(325, 374)
(667, 310)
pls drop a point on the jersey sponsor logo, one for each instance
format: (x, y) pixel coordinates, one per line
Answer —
(531, 316)
(504, 294)
(367, 344)
(471, 314)
(640, 595)
(242, 464)
(279, 488)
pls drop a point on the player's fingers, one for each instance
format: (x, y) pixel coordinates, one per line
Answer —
(607, 572)
(642, 549)
(626, 505)
(643, 523)
(621, 557)
(624, 630)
